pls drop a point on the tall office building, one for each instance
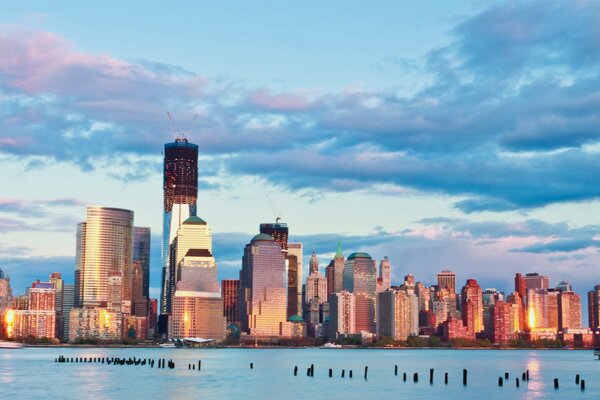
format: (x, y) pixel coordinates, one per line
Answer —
(472, 306)
(360, 278)
(594, 308)
(104, 246)
(335, 272)
(197, 303)
(447, 279)
(141, 254)
(180, 186)
(278, 231)
(139, 302)
(342, 313)
(59, 284)
(294, 279)
(229, 292)
(263, 299)
(536, 281)
(384, 280)
(316, 283)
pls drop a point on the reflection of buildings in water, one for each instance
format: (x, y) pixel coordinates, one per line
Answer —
(535, 386)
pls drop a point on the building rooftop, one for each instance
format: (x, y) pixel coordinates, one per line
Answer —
(262, 236)
(295, 318)
(359, 254)
(195, 220)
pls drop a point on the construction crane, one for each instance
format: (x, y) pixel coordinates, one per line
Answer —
(176, 132)
(275, 213)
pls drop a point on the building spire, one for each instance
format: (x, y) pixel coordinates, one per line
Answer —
(338, 253)
(314, 263)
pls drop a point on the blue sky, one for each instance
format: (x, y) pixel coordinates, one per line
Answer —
(442, 134)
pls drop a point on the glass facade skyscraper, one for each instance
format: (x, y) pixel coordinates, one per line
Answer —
(141, 254)
(180, 185)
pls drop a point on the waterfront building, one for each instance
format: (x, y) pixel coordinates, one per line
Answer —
(95, 322)
(152, 317)
(197, 303)
(104, 246)
(447, 279)
(360, 278)
(472, 306)
(180, 193)
(229, 293)
(397, 314)
(294, 279)
(342, 311)
(336, 274)
(594, 308)
(135, 327)
(384, 280)
(504, 321)
(39, 318)
(263, 294)
(515, 300)
(141, 255)
(5, 299)
(453, 328)
(68, 303)
(59, 284)
(569, 311)
(295, 327)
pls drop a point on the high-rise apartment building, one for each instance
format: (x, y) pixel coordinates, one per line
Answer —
(447, 279)
(294, 278)
(397, 314)
(263, 299)
(58, 283)
(384, 280)
(180, 188)
(342, 312)
(104, 246)
(39, 318)
(360, 278)
(569, 311)
(68, 303)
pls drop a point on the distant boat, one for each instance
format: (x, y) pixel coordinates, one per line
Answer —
(10, 345)
(331, 346)
(167, 345)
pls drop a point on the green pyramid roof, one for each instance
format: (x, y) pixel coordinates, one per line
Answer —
(194, 219)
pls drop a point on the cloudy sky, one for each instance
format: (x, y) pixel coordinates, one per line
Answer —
(442, 134)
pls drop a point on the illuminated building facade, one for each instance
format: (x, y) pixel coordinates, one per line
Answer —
(263, 300)
(316, 283)
(472, 305)
(360, 278)
(59, 284)
(139, 302)
(447, 279)
(197, 304)
(104, 246)
(5, 299)
(453, 328)
(342, 311)
(229, 292)
(39, 319)
(397, 314)
(180, 193)
(569, 310)
(68, 303)
(95, 322)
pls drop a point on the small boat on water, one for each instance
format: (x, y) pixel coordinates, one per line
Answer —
(331, 346)
(597, 352)
(10, 345)
(167, 345)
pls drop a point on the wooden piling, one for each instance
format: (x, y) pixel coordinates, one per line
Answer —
(330, 372)
(577, 379)
(465, 377)
(431, 375)
(343, 372)
(366, 371)
(582, 383)
(396, 370)
(500, 381)
(199, 365)
(527, 375)
(251, 365)
(350, 374)
(555, 383)
(446, 378)
(296, 370)
(506, 375)
(416, 377)
(404, 376)
(517, 382)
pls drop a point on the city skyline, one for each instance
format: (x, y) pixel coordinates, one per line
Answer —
(438, 197)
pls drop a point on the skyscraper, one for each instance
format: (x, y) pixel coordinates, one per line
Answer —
(342, 313)
(447, 279)
(316, 283)
(263, 299)
(180, 186)
(594, 308)
(278, 231)
(397, 314)
(104, 245)
(360, 278)
(56, 280)
(294, 279)
(569, 310)
(68, 302)
(384, 280)
(197, 303)
(141, 254)
(229, 292)
(472, 306)
(336, 271)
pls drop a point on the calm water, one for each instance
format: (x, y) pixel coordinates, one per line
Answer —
(31, 373)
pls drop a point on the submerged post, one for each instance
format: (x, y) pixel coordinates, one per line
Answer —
(431, 375)
(396, 370)
(465, 377)
(500, 381)
(446, 378)
(416, 377)
(555, 383)
(366, 371)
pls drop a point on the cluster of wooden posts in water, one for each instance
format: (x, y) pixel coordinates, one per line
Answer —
(162, 362)
(309, 372)
(524, 377)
